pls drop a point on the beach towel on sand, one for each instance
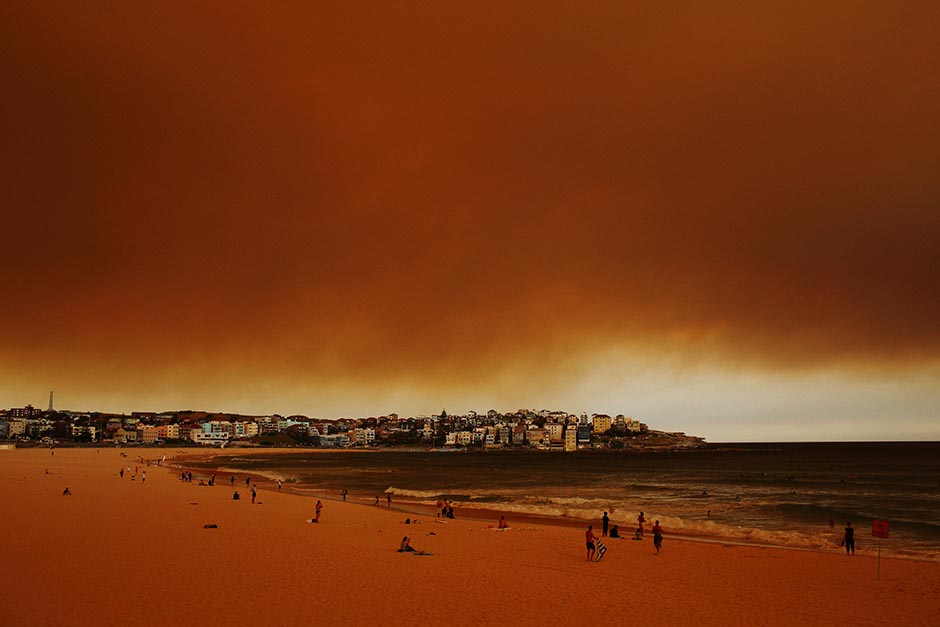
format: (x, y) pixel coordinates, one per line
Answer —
(601, 549)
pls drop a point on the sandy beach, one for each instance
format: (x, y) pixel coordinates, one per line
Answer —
(120, 551)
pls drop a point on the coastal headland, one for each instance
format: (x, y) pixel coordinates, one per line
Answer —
(124, 550)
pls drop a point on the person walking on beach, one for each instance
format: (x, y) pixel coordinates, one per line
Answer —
(388, 497)
(344, 493)
(605, 524)
(121, 472)
(143, 476)
(254, 494)
(657, 537)
(319, 507)
(590, 539)
(376, 500)
(279, 484)
(849, 539)
(640, 521)
(232, 480)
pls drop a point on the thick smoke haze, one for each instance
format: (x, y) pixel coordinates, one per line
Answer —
(327, 209)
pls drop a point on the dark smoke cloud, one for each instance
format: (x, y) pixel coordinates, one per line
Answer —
(418, 191)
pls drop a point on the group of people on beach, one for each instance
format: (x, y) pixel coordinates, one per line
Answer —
(445, 509)
(592, 541)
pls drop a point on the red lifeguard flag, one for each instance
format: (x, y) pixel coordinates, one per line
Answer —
(879, 528)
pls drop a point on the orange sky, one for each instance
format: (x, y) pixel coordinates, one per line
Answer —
(323, 209)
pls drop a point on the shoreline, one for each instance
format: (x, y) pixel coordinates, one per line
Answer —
(491, 516)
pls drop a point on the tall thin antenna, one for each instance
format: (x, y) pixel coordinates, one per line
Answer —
(50, 400)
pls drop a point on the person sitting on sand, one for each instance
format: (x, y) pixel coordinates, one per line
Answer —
(405, 546)
(66, 492)
(502, 523)
(235, 495)
(615, 531)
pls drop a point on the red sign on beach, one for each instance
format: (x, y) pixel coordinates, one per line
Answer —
(879, 528)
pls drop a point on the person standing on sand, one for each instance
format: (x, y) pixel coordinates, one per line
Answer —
(589, 539)
(376, 500)
(232, 480)
(849, 539)
(388, 497)
(254, 493)
(143, 476)
(605, 524)
(657, 537)
(343, 494)
(319, 507)
(121, 472)
(640, 520)
(279, 484)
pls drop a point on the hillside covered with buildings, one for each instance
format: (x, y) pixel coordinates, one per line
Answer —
(543, 430)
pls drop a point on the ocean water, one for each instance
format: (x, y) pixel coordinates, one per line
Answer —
(779, 494)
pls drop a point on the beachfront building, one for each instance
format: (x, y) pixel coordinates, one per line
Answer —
(246, 429)
(148, 433)
(210, 439)
(602, 423)
(427, 430)
(464, 438)
(634, 426)
(337, 440)
(537, 437)
(584, 435)
(571, 438)
(84, 430)
(172, 432)
(23, 412)
(364, 437)
(125, 435)
(555, 431)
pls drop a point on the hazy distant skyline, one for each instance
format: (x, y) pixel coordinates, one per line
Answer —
(720, 220)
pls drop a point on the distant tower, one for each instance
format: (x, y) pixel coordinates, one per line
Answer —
(50, 400)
